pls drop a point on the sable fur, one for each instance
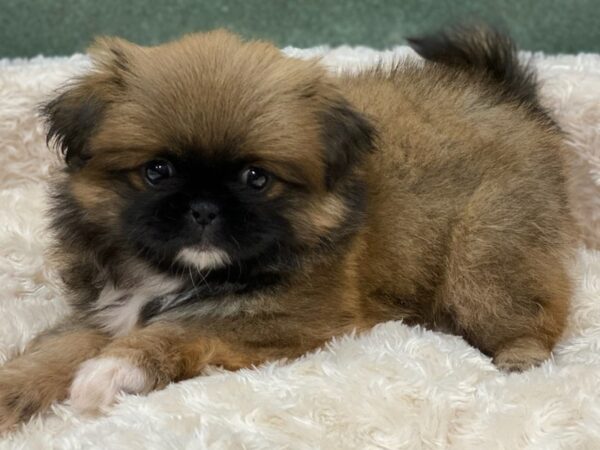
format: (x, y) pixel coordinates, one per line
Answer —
(427, 193)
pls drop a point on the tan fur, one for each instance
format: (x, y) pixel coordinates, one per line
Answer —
(466, 228)
(30, 384)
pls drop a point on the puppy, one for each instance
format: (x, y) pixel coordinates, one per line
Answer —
(224, 204)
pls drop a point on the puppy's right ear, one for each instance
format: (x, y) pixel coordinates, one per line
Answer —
(73, 116)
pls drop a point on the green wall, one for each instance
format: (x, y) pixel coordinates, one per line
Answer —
(31, 27)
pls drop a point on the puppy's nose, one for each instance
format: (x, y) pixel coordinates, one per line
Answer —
(204, 212)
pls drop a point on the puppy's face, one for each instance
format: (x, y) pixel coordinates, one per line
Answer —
(207, 152)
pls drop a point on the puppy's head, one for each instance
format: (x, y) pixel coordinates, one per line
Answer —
(208, 152)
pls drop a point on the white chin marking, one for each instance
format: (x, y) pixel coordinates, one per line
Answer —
(99, 380)
(204, 259)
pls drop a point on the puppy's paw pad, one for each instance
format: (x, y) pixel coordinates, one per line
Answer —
(98, 382)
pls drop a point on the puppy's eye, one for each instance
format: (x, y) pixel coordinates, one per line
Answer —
(255, 177)
(158, 170)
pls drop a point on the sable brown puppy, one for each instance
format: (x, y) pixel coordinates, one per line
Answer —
(224, 204)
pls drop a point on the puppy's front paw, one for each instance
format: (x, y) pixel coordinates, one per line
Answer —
(98, 382)
(15, 404)
(26, 389)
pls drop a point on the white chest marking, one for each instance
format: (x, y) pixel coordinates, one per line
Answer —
(118, 309)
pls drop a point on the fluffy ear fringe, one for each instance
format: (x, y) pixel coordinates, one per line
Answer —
(71, 119)
(347, 136)
(73, 115)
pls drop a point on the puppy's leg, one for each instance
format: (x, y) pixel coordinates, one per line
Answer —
(506, 284)
(42, 374)
(516, 321)
(152, 357)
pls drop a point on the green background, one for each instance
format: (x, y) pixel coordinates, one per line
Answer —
(31, 27)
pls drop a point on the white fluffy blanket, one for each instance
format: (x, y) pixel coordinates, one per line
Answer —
(396, 387)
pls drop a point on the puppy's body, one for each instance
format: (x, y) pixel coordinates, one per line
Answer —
(468, 224)
(431, 193)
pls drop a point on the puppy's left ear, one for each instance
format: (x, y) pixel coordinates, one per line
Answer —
(348, 136)
(73, 116)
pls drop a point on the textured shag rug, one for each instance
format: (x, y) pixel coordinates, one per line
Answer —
(396, 387)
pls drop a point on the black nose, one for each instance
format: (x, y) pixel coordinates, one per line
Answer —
(204, 212)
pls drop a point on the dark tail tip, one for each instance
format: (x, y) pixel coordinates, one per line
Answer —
(481, 48)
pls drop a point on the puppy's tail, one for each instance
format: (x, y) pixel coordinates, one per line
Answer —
(483, 49)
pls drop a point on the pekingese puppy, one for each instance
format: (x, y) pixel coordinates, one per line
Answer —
(224, 204)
